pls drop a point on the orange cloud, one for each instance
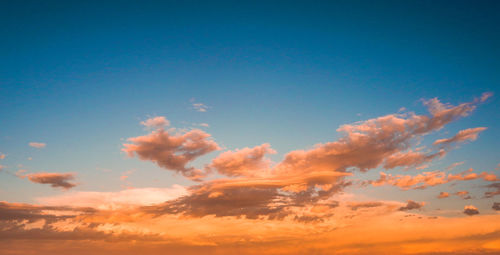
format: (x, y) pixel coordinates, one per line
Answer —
(172, 152)
(116, 200)
(411, 159)
(426, 179)
(244, 162)
(470, 210)
(443, 194)
(463, 135)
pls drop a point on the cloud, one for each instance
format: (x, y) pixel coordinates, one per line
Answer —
(116, 200)
(126, 174)
(200, 107)
(308, 177)
(37, 145)
(463, 135)
(411, 159)
(443, 195)
(485, 96)
(452, 166)
(496, 206)
(26, 212)
(490, 194)
(172, 152)
(254, 197)
(412, 205)
(470, 210)
(243, 162)
(463, 194)
(2, 156)
(366, 145)
(427, 179)
(56, 180)
(358, 205)
(156, 122)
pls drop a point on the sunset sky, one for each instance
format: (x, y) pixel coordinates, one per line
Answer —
(249, 127)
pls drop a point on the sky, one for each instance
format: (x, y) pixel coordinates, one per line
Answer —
(249, 127)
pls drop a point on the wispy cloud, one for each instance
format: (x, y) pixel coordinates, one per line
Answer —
(37, 145)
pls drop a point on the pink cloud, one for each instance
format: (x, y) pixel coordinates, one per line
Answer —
(37, 145)
(485, 96)
(470, 134)
(156, 122)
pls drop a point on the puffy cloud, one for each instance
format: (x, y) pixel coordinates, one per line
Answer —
(471, 210)
(156, 122)
(243, 162)
(367, 144)
(172, 152)
(463, 135)
(304, 177)
(37, 145)
(56, 180)
(412, 205)
(443, 194)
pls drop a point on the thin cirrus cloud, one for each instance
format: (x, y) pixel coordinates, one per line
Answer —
(37, 145)
(197, 106)
(56, 180)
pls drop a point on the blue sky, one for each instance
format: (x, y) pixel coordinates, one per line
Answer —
(80, 76)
